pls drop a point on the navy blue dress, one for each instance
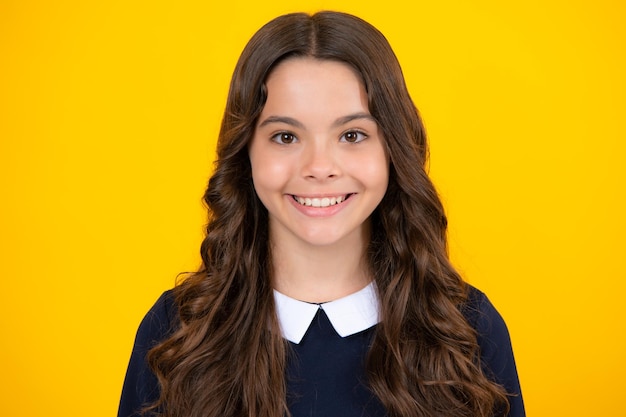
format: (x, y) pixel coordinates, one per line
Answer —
(325, 372)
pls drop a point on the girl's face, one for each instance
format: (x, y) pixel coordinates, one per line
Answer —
(318, 160)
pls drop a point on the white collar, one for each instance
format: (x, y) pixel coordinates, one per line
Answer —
(348, 315)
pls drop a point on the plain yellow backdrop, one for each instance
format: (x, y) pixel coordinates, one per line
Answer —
(108, 117)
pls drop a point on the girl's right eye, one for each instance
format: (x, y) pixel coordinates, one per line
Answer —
(284, 138)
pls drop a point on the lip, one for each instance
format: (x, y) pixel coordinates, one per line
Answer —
(321, 201)
(318, 211)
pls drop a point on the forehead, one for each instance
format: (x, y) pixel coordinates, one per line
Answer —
(306, 85)
(310, 64)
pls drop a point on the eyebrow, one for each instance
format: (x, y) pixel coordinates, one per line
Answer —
(281, 119)
(356, 116)
(295, 123)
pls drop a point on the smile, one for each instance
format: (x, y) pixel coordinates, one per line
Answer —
(321, 201)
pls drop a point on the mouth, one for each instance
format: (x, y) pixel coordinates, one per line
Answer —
(321, 201)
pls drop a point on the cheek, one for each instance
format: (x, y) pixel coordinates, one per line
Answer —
(268, 173)
(372, 169)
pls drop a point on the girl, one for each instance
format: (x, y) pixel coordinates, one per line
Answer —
(325, 288)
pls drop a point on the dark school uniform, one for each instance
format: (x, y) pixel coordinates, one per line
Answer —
(328, 343)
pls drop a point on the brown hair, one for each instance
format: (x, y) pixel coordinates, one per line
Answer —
(227, 357)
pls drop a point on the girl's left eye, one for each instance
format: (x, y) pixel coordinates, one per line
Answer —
(353, 136)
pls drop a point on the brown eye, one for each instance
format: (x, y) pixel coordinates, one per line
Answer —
(353, 136)
(284, 138)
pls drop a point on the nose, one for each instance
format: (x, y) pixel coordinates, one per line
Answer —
(319, 161)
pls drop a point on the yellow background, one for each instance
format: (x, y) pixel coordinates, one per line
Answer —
(108, 116)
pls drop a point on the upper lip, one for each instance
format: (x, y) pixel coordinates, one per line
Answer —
(326, 201)
(321, 195)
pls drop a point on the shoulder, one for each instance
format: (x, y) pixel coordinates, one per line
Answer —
(159, 321)
(483, 316)
(496, 351)
(140, 384)
(491, 331)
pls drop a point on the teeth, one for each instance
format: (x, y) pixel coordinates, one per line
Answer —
(320, 202)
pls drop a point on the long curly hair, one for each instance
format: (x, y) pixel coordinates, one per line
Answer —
(227, 356)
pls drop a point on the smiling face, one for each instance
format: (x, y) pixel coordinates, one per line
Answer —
(318, 160)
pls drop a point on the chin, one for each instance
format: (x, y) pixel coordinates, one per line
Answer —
(321, 239)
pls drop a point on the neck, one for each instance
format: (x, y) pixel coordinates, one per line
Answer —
(319, 274)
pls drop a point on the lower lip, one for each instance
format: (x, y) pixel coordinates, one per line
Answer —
(311, 211)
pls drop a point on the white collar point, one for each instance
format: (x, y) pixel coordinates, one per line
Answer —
(348, 315)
